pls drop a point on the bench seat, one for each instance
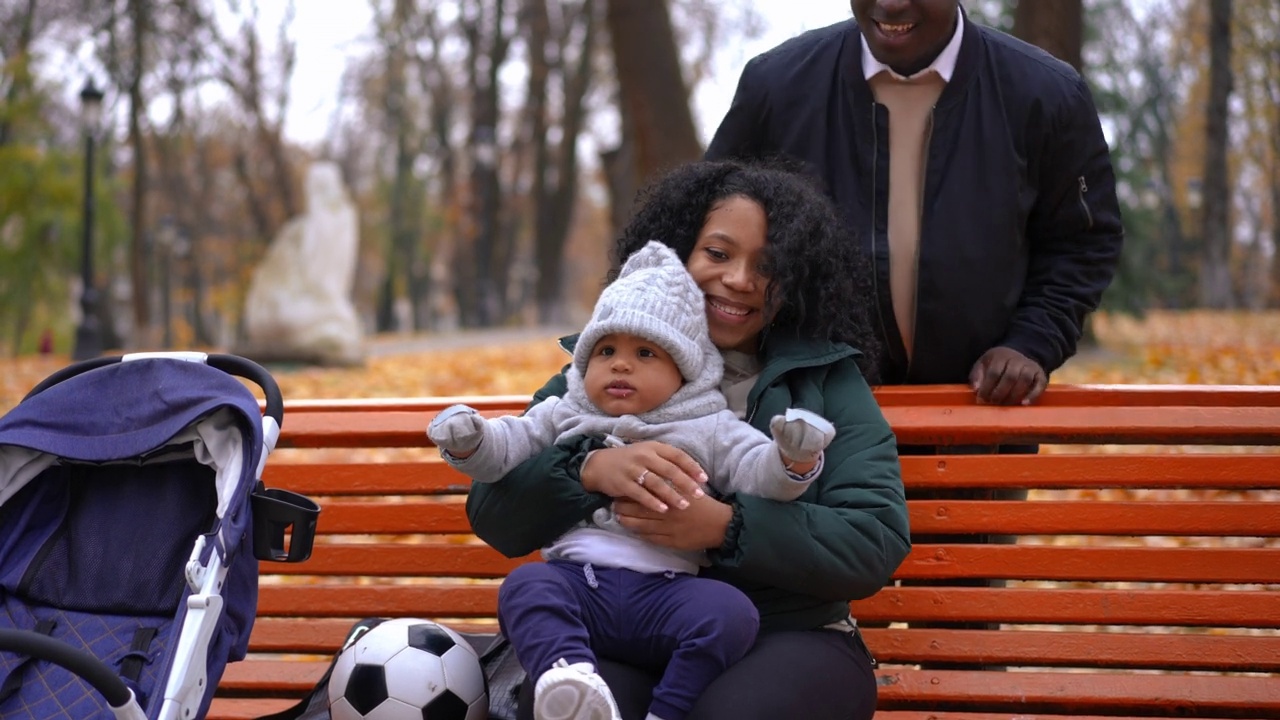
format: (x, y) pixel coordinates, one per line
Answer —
(1143, 582)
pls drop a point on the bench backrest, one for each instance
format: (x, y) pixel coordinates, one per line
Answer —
(1157, 549)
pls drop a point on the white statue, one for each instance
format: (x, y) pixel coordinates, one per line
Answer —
(299, 303)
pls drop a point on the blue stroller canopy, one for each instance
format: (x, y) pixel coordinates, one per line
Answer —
(128, 492)
(136, 408)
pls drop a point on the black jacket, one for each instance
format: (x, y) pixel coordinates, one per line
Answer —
(1021, 228)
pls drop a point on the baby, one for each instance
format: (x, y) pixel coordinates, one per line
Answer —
(644, 368)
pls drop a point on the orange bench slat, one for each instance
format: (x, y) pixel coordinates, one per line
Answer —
(1217, 470)
(1025, 605)
(1064, 648)
(1049, 692)
(1094, 517)
(1017, 562)
(1083, 517)
(1074, 648)
(1196, 607)
(1138, 470)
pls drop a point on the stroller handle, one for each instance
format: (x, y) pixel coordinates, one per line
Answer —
(94, 671)
(231, 364)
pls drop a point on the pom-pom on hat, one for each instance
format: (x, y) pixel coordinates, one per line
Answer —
(655, 298)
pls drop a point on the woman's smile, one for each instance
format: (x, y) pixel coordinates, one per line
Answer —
(726, 263)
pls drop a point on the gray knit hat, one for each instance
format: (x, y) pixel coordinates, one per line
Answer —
(654, 298)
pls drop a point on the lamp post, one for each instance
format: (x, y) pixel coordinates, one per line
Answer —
(89, 333)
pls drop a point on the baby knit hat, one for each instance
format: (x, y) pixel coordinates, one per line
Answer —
(655, 298)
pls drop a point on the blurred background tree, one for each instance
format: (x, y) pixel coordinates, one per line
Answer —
(493, 146)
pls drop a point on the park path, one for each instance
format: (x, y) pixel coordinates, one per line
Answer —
(407, 344)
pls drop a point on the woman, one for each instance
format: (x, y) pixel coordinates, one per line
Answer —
(786, 307)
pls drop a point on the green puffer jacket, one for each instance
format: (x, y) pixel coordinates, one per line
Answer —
(801, 562)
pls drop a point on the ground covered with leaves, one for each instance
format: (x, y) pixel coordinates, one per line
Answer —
(1194, 347)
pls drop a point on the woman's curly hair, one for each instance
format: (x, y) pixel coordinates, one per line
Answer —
(819, 281)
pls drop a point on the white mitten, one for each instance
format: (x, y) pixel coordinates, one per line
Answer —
(458, 429)
(801, 435)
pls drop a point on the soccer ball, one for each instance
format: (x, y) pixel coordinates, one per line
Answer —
(408, 669)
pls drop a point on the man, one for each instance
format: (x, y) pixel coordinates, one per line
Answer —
(973, 167)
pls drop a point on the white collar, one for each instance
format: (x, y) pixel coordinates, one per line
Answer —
(944, 64)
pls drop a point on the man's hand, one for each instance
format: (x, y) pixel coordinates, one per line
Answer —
(1004, 376)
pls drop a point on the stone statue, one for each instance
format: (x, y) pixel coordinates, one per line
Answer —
(299, 304)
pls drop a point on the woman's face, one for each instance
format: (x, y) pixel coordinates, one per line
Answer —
(726, 264)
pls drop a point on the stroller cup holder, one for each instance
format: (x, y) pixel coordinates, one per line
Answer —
(278, 511)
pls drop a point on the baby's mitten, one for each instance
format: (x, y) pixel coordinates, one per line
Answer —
(801, 435)
(458, 429)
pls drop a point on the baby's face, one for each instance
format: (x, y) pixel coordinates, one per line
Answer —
(628, 375)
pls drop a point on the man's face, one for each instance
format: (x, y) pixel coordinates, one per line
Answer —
(906, 35)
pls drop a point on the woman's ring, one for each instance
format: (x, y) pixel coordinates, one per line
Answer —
(640, 480)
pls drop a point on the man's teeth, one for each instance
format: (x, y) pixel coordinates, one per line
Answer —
(896, 29)
(728, 310)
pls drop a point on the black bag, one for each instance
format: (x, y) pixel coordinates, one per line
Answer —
(502, 672)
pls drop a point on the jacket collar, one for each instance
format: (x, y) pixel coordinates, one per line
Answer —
(971, 44)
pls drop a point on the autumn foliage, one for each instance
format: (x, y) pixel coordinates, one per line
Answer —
(1191, 347)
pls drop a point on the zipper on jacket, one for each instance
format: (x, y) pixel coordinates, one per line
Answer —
(871, 230)
(1088, 216)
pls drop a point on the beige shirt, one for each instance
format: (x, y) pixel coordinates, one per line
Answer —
(910, 102)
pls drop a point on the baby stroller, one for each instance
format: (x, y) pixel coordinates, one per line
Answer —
(131, 514)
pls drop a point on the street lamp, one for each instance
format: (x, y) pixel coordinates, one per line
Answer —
(89, 333)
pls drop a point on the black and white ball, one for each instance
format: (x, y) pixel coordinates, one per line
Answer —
(408, 669)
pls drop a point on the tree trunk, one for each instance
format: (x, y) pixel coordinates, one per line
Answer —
(1215, 272)
(1057, 26)
(556, 173)
(19, 59)
(488, 52)
(651, 85)
(138, 252)
(402, 260)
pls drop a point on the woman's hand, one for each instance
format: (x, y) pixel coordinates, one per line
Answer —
(701, 526)
(653, 474)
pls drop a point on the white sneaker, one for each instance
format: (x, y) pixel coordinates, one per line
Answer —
(573, 692)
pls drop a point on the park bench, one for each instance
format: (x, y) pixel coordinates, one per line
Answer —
(1127, 596)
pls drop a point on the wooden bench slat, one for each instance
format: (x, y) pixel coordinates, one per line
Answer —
(1155, 471)
(1014, 605)
(1095, 517)
(1012, 647)
(1083, 517)
(1180, 694)
(1184, 695)
(1093, 564)
(246, 708)
(1235, 471)
(1028, 605)
(1015, 562)
(289, 678)
(1096, 395)
(974, 425)
(366, 478)
(1180, 651)
(952, 395)
(376, 517)
(445, 599)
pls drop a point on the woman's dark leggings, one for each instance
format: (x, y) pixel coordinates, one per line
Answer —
(813, 674)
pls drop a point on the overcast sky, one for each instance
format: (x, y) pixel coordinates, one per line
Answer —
(327, 33)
